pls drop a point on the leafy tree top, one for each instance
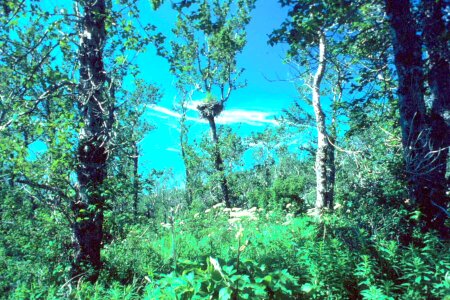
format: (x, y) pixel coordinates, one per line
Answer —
(209, 36)
(308, 19)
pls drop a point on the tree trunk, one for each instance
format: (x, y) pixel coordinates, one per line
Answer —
(435, 37)
(92, 152)
(184, 156)
(218, 162)
(322, 138)
(189, 196)
(417, 138)
(135, 180)
(187, 173)
(331, 159)
(331, 166)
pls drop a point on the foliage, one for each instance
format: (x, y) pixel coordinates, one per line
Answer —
(159, 244)
(209, 36)
(255, 254)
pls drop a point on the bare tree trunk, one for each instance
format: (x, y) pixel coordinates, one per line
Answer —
(417, 138)
(92, 152)
(218, 161)
(322, 138)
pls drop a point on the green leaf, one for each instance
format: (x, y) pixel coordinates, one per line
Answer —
(121, 60)
(156, 4)
(268, 278)
(229, 270)
(225, 293)
(307, 287)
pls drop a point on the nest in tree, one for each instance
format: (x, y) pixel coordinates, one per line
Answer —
(210, 109)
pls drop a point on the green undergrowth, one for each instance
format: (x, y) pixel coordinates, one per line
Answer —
(237, 253)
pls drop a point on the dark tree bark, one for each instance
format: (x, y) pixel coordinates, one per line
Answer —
(210, 111)
(93, 139)
(218, 162)
(331, 166)
(6, 9)
(422, 163)
(436, 36)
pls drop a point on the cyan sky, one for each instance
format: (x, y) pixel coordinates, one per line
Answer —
(250, 109)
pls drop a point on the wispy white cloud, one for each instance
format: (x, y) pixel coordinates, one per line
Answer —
(165, 111)
(250, 117)
(227, 117)
(173, 150)
(192, 105)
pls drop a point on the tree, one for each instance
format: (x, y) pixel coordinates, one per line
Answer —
(210, 36)
(37, 129)
(186, 149)
(128, 131)
(311, 30)
(435, 31)
(61, 99)
(424, 137)
(96, 107)
(107, 38)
